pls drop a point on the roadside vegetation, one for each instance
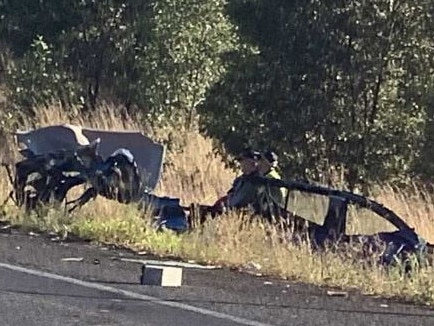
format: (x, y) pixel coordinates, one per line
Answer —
(196, 175)
(344, 94)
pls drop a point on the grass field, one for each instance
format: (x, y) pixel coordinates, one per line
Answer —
(194, 174)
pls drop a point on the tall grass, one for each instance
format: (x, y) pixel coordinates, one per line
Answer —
(196, 175)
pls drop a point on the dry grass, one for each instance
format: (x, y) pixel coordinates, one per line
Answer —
(195, 174)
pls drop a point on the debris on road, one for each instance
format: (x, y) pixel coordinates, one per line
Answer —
(73, 259)
(160, 275)
(337, 293)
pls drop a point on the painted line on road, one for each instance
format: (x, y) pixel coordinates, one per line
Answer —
(133, 295)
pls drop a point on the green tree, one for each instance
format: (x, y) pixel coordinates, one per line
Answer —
(332, 87)
(22, 21)
(182, 57)
(38, 79)
(159, 57)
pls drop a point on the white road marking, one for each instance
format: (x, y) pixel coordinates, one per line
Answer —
(133, 295)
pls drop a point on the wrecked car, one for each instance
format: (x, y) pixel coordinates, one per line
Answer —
(119, 165)
(397, 246)
(126, 167)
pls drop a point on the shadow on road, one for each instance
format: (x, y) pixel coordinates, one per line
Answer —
(224, 302)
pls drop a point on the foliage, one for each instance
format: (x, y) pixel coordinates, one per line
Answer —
(336, 87)
(183, 56)
(341, 89)
(38, 79)
(163, 55)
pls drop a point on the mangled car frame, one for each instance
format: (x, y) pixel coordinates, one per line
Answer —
(126, 166)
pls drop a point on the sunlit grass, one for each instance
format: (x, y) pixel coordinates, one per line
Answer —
(195, 175)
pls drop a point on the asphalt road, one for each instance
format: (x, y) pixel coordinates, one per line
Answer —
(33, 300)
(38, 288)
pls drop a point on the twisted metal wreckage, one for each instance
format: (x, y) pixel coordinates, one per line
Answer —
(126, 166)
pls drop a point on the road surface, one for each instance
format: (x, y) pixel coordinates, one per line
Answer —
(38, 288)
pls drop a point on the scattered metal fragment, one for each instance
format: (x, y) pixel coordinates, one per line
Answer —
(337, 293)
(73, 259)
